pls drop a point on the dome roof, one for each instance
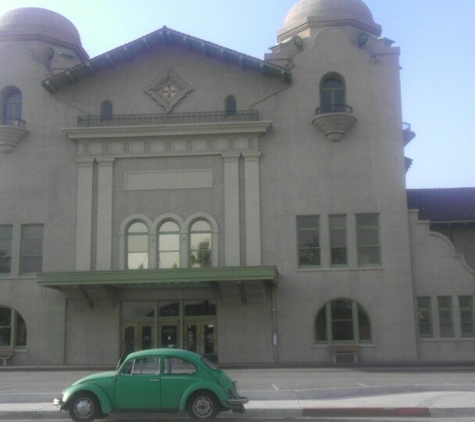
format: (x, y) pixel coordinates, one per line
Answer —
(331, 12)
(40, 22)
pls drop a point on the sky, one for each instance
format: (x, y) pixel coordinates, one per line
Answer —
(436, 37)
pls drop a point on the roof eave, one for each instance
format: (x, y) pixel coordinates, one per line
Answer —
(163, 36)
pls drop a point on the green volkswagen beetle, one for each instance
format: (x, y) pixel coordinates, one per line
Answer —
(157, 380)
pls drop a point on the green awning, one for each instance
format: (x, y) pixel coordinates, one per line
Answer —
(157, 278)
(234, 284)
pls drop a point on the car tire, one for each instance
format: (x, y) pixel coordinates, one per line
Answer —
(84, 407)
(203, 405)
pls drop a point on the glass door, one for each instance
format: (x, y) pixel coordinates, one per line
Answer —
(169, 335)
(201, 337)
(136, 336)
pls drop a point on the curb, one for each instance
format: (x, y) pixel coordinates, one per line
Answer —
(368, 412)
(264, 413)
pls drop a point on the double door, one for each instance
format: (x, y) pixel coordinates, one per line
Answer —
(198, 336)
(136, 336)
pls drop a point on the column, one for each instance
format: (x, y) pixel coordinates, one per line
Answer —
(84, 214)
(252, 208)
(232, 249)
(104, 213)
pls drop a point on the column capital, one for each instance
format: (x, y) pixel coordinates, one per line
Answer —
(231, 156)
(251, 155)
(105, 160)
(85, 161)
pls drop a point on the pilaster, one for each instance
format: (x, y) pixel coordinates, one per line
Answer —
(84, 214)
(232, 248)
(104, 213)
(252, 208)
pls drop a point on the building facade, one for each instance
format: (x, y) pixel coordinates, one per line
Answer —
(175, 193)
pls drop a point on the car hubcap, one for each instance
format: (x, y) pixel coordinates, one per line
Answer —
(83, 408)
(203, 407)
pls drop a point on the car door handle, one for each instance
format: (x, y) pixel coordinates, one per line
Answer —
(155, 380)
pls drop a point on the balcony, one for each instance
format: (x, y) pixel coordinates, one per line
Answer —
(11, 133)
(407, 133)
(334, 121)
(168, 118)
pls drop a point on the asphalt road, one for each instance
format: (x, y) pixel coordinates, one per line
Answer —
(262, 384)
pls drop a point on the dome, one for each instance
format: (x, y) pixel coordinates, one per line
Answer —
(329, 13)
(34, 21)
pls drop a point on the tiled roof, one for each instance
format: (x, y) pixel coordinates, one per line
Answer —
(443, 205)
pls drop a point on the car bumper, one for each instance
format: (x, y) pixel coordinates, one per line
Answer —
(238, 402)
(58, 403)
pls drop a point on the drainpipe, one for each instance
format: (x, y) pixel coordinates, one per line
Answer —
(70, 105)
(271, 95)
(65, 319)
(275, 345)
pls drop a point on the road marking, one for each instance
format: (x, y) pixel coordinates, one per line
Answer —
(275, 387)
(362, 385)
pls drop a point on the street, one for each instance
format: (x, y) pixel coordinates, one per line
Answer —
(431, 386)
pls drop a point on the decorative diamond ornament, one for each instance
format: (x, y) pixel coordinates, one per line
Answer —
(168, 90)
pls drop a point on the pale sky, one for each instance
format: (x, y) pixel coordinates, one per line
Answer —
(437, 40)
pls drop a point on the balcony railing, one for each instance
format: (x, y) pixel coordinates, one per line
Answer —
(407, 133)
(334, 108)
(14, 122)
(12, 131)
(334, 120)
(168, 119)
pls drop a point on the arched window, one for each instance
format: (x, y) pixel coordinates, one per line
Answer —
(106, 110)
(169, 245)
(137, 246)
(200, 244)
(332, 94)
(342, 321)
(12, 108)
(230, 105)
(12, 328)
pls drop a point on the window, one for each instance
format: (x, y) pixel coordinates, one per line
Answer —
(137, 246)
(177, 366)
(12, 328)
(12, 108)
(367, 226)
(424, 316)
(200, 308)
(31, 259)
(446, 323)
(142, 366)
(5, 249)
(230, 105)
(332, 95)
(169, 245)
(338, 240)
(308, 240)
(342, 321)
(466, 315)
(106, 110)
(200, 244)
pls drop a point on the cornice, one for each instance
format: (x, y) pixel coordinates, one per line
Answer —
(168, 140)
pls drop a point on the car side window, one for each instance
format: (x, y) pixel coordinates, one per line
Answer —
(142, 366)
(177, 366)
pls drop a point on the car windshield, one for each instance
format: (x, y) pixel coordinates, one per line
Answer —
(209, 364)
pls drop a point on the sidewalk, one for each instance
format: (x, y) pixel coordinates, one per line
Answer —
(429, 404)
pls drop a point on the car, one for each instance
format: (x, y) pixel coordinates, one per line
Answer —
(155, 380)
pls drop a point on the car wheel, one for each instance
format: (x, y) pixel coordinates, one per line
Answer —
(84, 407)
(203, 405)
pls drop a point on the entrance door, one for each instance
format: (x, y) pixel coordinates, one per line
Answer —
(169, 335)
(137, 336)
(200, 337)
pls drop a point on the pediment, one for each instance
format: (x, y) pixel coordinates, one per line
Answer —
(164, 37)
